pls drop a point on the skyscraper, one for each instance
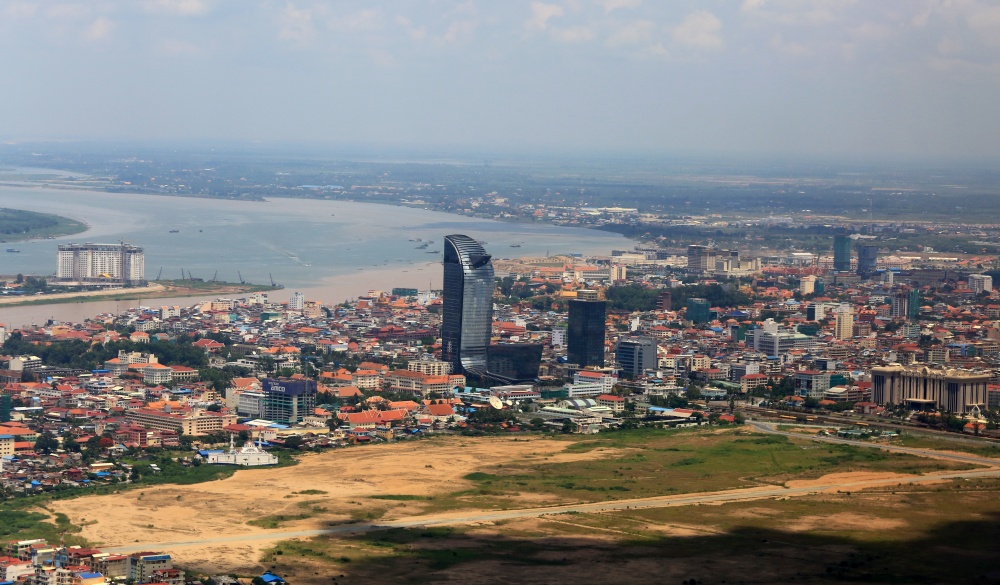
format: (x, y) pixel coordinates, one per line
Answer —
(867, 259)
(841, 253)
(467, 314)
(585, 334)
(697, 257)
(844, 325)
(698, 310)
(635, 355)
(980, 283)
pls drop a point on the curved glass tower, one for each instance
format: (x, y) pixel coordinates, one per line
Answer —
(467, 314)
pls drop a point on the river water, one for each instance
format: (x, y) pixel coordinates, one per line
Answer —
(330, 250)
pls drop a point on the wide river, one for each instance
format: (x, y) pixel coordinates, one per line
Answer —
(329, 250)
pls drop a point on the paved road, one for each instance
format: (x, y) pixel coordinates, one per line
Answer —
(746, 494)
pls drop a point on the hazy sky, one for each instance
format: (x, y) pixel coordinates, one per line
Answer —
(903, 77)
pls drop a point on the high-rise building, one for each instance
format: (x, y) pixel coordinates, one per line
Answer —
(914, 305)
(807, 285)
(619, 273)
(286, 400)
(815, 312)
(841, 253)
(635, 355)
(467, 312)
(297, 302)
(664, 300)
(514, 362)
(867, 259)
(697, 257)
(585, 334)
(698, 310)
(899, 304)
(101, 262)
(845, 322)
(980, 283)
(905, 303)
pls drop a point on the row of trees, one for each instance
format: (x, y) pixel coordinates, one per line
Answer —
(82, 355)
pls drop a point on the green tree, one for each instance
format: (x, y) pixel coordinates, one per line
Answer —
(69, 443)
(46, 443)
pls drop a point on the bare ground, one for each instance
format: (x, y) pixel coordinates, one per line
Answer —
(349, 477)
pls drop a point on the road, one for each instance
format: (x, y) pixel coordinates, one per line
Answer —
(745, 494)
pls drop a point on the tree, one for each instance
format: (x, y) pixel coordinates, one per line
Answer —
(46, 443)
(293, 442)
(569, 427)
(69, 443)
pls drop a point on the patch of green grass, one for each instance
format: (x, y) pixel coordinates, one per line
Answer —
(922, 441)
(656, 462)
(25, 525)
(367, 514)
(311, 492)
(277, 520)
(398, 497)
(479, 476)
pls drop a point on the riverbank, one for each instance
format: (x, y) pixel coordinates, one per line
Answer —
(151, 291)
(19, 225)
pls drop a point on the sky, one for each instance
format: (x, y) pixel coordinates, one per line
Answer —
(886, 78)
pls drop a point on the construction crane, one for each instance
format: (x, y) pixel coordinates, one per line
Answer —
(272, 279)
(241, 277)
(214, 276)
(159, 274)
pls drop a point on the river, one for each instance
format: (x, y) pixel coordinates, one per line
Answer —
(329, 250)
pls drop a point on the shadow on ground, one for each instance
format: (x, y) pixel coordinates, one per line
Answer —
(954, 552)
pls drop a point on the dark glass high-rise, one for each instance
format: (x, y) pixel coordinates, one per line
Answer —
(467, 314)
(585, 333)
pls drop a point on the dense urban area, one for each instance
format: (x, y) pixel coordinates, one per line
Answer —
(865, 330)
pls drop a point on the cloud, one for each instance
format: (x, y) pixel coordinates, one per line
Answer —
(789, 48)
(796, 12)
(296, 25)
(182, 7)
(700, 30)
(632, 33)
(67, 11)
(612, 5)
(178, 47)
(460, 31)
(573, 34)
(541, 13)
(15, 9)
(100, 29)
(417, 33)
(362, 21)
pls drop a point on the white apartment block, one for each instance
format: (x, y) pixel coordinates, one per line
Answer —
(980, 283)
(81, 262)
